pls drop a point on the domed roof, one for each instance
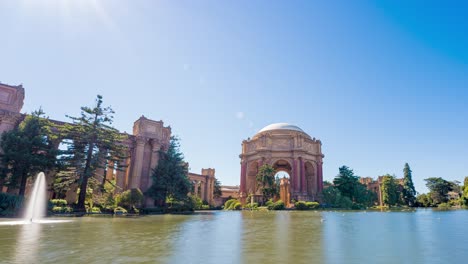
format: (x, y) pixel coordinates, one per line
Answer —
(280, 126)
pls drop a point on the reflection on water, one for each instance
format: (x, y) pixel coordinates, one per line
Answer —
(27, 243)
(423, 236)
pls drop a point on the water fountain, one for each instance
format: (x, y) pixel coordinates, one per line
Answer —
(36, 206)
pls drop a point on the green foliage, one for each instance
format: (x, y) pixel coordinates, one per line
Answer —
(332, 197)
(59, 202)
(120, 211)
(312, 205)
(390, 193)
(95, 210)
(266, 182)
(93, 142)
(409, 192)
(27, 150)
(439, 189)
(424, 200)
(217, 192)
(465, 192)
(346, 182)
(251, 206)
(10, 204)
(444, 206)
(170, 178)
(278, 205)
(300, 205)
(232, 204)
(196, 202)
(62, 209)
(130, 199)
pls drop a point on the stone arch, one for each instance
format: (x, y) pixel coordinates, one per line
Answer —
(282, 165)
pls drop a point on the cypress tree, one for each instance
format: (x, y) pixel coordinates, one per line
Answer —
(409, 193)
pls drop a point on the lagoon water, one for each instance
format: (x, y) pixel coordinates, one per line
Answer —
(422, 236)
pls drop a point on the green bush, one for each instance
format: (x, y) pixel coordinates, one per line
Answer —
(279, 205)
(251, 206)
(10, 204)
(120, 211)
(237, 206)
(301, 205)
(312, 205)
(59, 202)
(228, 205)
(130, 198)
(95, 210)
(205, 207)
(57, 209)
(444, 206)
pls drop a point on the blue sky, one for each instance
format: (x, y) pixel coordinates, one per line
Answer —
(381, 83)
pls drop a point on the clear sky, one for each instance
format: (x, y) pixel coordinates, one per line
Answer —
(381, 83)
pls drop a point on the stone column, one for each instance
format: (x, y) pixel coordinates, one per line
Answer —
(120, 175)
(138, 163)
(243, 178)
(303, 177)
(320, 177)
(295, 176)
(110, 170)
(202, 190)
(154, 162)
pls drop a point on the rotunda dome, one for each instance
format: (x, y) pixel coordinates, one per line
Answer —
(280, 126)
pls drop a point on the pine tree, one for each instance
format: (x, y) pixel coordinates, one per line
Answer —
(27, 150)
(409, 193)
(93, 143)
(217, 192)
(170, 177)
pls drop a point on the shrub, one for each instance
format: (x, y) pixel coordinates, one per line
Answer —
(95, 210)
(120, 211)
(205, 207)
(130, 198)
(251, 206)
(67, 209)
(312, 205)
(10, 204)
(59, 202)
(444, 206)
(57, 209)
(301, 205)
(279, 205)
(270, 204)
(237, 206)
(229, 204)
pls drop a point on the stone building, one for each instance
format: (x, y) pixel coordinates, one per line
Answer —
(143, 145)
(288, 149)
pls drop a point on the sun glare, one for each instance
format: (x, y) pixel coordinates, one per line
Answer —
(68, 10)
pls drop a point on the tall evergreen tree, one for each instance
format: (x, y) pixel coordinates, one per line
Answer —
(27, 150)
(409, 193)
(346, 182)
(170, 177)
(217, 192)
(93, 142)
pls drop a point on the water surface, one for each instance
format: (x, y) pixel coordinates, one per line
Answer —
(423, 236)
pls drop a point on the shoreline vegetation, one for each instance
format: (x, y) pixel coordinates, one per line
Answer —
(93, 142)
